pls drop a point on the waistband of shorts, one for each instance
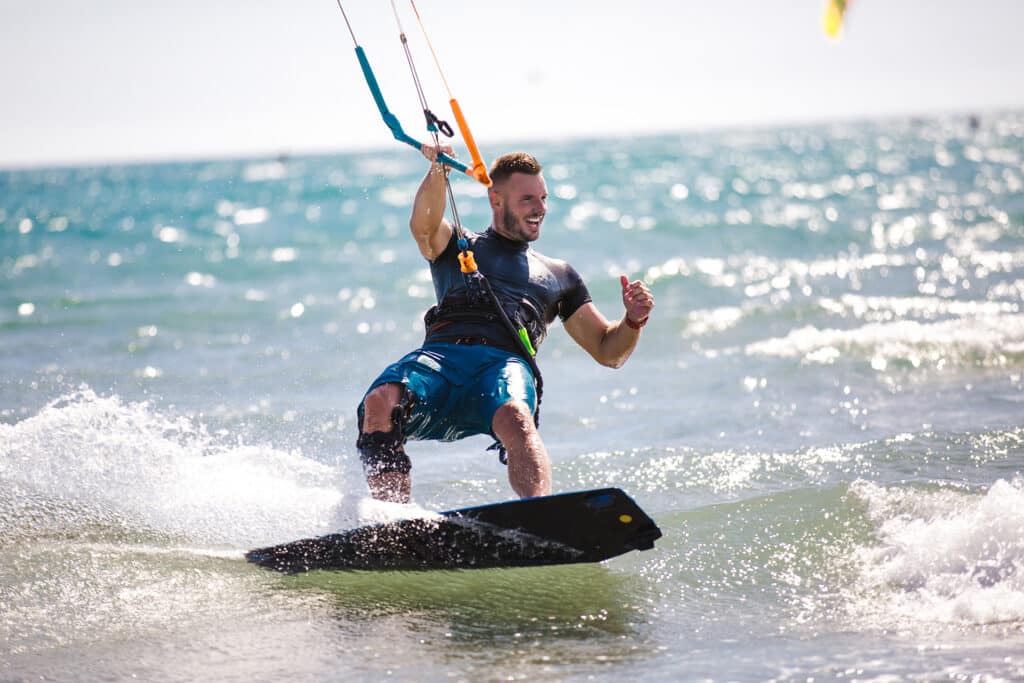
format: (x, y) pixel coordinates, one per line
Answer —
(474, 340)
(476, 352)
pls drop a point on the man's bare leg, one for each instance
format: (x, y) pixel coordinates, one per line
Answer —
(393, 487)
(529, 469)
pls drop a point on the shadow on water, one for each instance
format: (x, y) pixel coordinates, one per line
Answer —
(506, 618)
(578, 597)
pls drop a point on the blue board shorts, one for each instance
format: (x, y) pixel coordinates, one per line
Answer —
(458, 388)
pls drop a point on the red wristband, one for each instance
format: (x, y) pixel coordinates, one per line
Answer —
(636, 326)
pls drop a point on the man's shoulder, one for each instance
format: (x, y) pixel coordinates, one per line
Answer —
(549, 261)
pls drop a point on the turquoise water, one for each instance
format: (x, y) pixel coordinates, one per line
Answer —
(825, 414)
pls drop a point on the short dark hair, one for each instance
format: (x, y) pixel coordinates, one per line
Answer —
(514, 162)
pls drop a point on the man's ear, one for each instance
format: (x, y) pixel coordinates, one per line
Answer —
(494, 197)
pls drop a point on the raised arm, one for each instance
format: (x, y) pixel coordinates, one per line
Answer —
(429, 227)
(611, 343)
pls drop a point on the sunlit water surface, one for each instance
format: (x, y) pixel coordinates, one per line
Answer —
(825, 415)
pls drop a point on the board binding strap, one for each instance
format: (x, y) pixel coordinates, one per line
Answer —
(567, 528)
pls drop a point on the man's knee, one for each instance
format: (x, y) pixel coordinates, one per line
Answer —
(514, 417)
(529, 470)
(381, 442)
(378, 406)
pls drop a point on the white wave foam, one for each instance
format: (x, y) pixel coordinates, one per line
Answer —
(95, 459)
(944, 556)
(889, 308)
(372, 511)
(708, 321)
(988, 339)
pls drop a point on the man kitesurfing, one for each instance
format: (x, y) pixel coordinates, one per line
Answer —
(472, 375)
(475, 372)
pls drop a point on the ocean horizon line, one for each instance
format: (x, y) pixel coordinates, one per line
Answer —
(386, 146)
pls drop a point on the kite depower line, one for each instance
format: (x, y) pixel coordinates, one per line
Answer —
(476, 284)
(478, 170)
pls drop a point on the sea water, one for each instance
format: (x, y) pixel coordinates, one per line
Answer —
(825, 414)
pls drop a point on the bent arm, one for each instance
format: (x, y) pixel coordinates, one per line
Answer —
(611, 343)
(427, 223)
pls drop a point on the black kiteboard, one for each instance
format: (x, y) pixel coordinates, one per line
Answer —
(584, 526)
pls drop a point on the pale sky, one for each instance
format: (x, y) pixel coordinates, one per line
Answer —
(124, 80)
